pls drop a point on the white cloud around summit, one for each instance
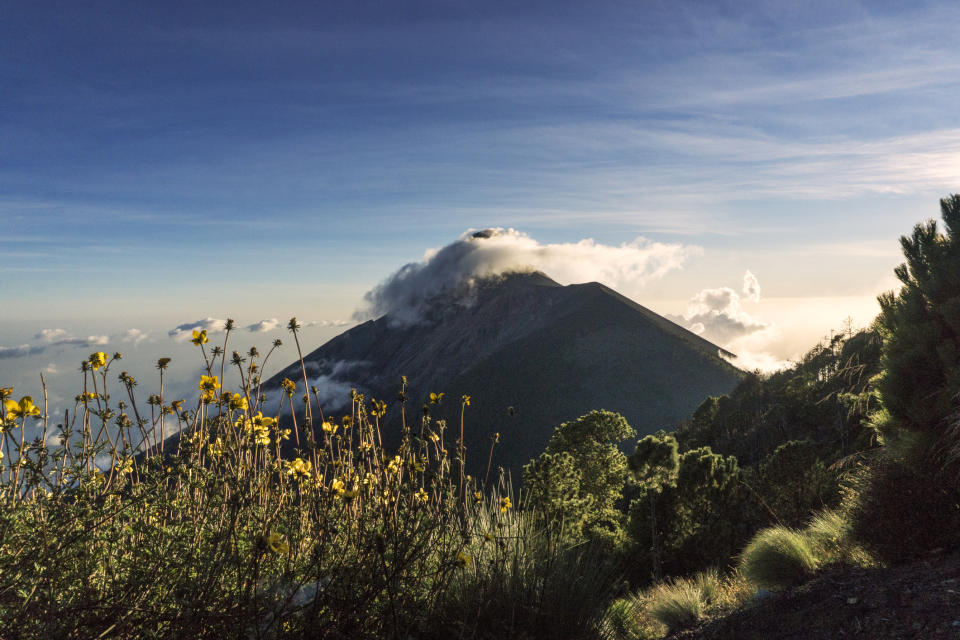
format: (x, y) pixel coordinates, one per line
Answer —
(452, 270)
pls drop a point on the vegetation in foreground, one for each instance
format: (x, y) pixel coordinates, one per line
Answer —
(250, 529)
(110, 535)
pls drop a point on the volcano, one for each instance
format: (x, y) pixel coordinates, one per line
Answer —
(531, 354)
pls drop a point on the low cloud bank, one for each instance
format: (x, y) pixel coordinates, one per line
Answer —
(332, 380)
(185, 330)
(270, 324)
(51, 338)
(264, 325)
(451, 272)
(136, 336)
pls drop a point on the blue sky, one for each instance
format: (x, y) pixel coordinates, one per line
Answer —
(166, 162)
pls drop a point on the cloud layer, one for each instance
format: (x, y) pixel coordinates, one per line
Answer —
(264, 325)
(450, 272)
(185, 330)
(136, 336)
(50, 338)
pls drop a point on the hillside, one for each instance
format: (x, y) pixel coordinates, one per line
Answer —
(911, 601)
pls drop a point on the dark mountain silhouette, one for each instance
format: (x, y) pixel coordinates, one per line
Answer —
(531, 354)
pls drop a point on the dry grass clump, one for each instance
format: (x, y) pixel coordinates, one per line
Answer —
(778, 558)
(676, 604)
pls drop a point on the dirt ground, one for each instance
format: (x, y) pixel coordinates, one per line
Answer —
(919, 600)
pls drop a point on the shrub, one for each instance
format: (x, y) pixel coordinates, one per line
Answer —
(676, 605)
(778, 558)
(902, 509)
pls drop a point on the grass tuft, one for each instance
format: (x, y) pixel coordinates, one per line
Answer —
(778, 558)
(676, 605)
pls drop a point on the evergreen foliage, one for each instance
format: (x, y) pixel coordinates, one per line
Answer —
(687, 510)
(908, 501)
(580, 476)
(825, 398)
(794, 480)
(920, 326)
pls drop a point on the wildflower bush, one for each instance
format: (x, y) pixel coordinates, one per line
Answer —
(248, 523)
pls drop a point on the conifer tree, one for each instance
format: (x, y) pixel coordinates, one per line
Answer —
(920, 327)
(581, 475)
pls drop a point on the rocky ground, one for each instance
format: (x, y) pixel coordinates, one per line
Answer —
(918, 600)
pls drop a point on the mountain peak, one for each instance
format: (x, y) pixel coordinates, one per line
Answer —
(548, 352)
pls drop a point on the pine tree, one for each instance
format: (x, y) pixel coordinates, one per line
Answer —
(581, 475)
(909, 500)
(920, 327)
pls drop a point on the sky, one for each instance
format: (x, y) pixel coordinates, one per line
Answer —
(172, 164)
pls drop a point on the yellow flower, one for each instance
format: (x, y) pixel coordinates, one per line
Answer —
(337, 487)
(277, 543)
(199, 337)
(98, 360)
(505, 504)
(435, 398)
(288, 386)
(395, 465)
(238, 402)
(478, 496)
(421, 495)
(5, 392)
(379, 408)
(466, 400)
(125, 466)
(298, 468)
(329, 427)
(21, 409)
(208, 385)
(434, 437)
(215, 448)
(257, 427)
